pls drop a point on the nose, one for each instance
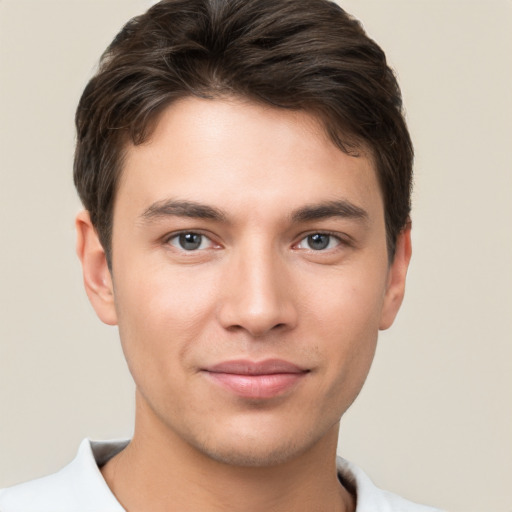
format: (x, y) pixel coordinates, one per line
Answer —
(257, 295)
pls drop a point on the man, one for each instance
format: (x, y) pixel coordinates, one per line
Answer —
(245, 170)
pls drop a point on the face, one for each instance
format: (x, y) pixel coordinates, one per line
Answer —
(250, 277)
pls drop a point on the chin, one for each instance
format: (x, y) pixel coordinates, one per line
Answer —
(252, 455)
(257, 449)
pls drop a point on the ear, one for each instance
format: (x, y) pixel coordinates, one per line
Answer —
(397, 273)
(97, 279)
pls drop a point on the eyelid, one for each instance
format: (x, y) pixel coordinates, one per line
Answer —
(170, 236)
(343, 239)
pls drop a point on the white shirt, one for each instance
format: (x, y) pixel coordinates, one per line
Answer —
(80, 487)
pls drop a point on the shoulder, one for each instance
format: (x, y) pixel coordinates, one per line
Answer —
(78, 487)
(39, 495)
(372, 499)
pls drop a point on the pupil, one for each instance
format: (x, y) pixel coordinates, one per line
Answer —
(190, 241)
(318, 241)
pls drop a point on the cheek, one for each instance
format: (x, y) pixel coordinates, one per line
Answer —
(347, 328)
(350, 331)
(160, 314)
(348, 303)
(163, 296)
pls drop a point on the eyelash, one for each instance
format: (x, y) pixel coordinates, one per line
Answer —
(304, 238)
(340, 241)
(176, 236)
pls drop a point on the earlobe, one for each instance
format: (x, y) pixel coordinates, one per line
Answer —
(395, 289)
(96, 274)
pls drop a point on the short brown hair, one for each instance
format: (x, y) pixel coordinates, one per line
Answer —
(293, 54)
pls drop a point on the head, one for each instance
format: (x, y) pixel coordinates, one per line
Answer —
(245, 168)
(308, 55)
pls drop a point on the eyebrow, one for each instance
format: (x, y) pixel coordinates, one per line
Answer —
(340, 208)
(181, 208)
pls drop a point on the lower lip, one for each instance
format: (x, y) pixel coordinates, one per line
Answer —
(257, 386)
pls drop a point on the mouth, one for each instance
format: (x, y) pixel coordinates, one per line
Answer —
(256, 380)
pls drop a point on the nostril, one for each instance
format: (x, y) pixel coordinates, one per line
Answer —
(257, 331)
(234, 328)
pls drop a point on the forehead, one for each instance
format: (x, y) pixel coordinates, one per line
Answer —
(237, 153)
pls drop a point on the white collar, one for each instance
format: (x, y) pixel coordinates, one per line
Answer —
(80, 487)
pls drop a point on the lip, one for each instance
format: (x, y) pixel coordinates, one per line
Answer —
(256, 379)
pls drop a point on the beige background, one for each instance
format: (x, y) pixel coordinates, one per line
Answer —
(434, 422)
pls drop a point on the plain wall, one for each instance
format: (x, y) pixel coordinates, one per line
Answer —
(434, 420)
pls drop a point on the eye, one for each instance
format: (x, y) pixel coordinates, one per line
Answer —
(190, 241)
(319, 242)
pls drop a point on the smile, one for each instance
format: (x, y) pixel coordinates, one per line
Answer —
(256, 380)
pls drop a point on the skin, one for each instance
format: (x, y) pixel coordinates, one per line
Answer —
(255, 289)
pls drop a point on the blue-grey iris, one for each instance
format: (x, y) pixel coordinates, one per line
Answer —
(190, 241)
(318, 241)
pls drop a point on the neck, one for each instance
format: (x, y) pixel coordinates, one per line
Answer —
(159, 471)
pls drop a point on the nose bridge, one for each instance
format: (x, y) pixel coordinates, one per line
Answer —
(257, 295)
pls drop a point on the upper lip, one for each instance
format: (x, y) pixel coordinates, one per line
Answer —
(247, 367)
